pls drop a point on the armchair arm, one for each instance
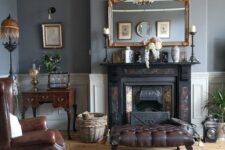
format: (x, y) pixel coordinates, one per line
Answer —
(32, 124)
(35, 138)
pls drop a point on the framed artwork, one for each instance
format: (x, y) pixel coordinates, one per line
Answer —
(52, 35)
(163, 29)
(124, 30)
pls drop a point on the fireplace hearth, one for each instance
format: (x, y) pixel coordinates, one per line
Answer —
(162, 89)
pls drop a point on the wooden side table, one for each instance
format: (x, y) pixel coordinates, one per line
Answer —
(58, 97)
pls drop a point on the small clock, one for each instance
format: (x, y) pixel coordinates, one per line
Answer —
(210, 129)
(211, 133)
(58, 80)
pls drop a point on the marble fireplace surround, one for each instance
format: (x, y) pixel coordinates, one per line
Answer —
(175, 75)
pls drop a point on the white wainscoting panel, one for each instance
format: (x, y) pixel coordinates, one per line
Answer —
(57, 118)
(99, 93)
(199, 94)
(216, 81)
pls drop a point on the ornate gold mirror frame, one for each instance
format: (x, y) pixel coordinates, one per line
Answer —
(139, 44)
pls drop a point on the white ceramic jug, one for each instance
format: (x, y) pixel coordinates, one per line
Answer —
(175, 54)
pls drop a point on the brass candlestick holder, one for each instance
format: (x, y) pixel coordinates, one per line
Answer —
(34, 76)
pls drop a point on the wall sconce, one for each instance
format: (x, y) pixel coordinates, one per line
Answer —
(9, 30)
(51, 10)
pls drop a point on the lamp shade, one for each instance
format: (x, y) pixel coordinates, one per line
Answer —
(9, 28)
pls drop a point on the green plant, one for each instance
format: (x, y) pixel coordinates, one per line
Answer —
(216, 105)
(51, 62)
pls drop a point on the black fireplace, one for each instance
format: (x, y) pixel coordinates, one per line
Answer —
(164, 88)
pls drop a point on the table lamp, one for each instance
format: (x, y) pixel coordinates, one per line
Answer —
(10, 31)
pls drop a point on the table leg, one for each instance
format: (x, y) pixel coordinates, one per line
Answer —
(23, 112)
(34, 111)
(68, 111)
(74, 116)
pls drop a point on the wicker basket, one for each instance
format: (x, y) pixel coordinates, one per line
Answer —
(92, 129)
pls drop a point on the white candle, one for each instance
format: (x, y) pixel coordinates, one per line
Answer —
(193, 28)
(106, 31)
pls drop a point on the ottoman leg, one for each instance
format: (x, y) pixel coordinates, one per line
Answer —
(178, 148)
(114, 147)
(188, 147)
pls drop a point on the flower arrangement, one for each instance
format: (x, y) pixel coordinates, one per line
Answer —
(153, 46)
(51, 62)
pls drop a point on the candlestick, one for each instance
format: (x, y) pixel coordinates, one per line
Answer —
(192, 58)
(106, 32)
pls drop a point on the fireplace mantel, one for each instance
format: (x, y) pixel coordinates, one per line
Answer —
(120, 75)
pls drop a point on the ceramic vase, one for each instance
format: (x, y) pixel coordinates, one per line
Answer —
(175, 54)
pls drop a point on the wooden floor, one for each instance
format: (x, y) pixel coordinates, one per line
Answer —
(76, 144)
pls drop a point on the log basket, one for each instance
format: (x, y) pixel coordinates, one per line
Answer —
(92, 126)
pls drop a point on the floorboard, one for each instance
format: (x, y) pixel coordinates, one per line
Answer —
(77, 144)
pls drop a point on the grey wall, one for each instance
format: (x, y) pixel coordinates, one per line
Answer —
(198, 17)
(75, 17)
(216, 35)
(8, 7)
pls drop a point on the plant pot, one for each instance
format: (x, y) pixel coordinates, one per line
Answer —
(221, 131)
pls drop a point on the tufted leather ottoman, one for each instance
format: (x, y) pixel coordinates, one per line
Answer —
(150, 136)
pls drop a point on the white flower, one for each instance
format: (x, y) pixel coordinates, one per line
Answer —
(154, 45)
(158, 45)
(151, 46)
(155, 53)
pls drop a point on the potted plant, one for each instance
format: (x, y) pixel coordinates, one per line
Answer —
(216, 107)
(51, 62)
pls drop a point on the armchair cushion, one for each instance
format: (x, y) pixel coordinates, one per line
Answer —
(34, 138)
(15, 126)
(32, 124)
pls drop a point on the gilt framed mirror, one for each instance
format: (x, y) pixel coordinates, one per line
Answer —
(145, 19)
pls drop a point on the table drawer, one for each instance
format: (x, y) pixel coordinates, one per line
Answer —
(45, 97)
(60, 100)
(29, 100)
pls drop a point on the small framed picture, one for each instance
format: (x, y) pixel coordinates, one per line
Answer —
(124, 30)
(52, 35)
(163, 29)
(59, 80)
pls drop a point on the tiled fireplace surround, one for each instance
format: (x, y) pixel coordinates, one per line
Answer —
(134, 88)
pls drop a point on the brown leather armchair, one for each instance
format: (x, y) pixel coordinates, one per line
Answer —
(35, 136)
